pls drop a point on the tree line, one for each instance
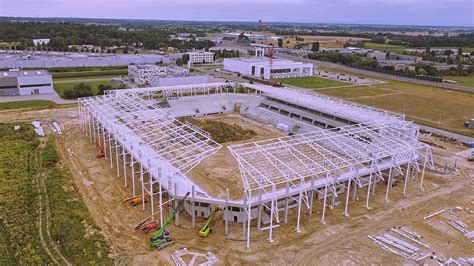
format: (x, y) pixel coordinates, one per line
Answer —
(63, 34)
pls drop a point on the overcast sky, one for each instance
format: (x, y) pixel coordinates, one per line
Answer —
(401, 12)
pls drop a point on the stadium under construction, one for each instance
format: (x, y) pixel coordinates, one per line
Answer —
(330, 148)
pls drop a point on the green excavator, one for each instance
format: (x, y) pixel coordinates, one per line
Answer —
(161, 237)
(206, 229)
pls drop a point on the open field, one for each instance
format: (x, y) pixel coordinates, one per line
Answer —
(467, 81)
(385, 47)
(27, 104)
(53, 225)
(426, 105)
(342, 240)
(312, 82)
(61, 87)
(324, 41)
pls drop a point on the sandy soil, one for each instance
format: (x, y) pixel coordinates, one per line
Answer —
(220, 171)
(343, 240)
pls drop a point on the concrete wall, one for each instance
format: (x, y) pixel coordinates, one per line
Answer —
(8, 86)
(172, 81)
(242, 67)
(28, 84)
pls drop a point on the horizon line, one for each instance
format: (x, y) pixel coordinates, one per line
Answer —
(233, 21)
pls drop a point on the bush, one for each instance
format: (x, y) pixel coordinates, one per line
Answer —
(80, 90)
(220, 131)
(49, 156)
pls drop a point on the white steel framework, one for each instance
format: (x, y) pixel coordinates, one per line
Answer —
(275, 173)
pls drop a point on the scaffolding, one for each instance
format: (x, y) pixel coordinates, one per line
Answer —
(275, 173)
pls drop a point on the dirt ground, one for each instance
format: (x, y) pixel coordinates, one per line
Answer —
(342, 240)
(220, 171)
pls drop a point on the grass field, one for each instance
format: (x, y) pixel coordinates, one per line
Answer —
(385, 47)
(90, 74)
(324, 41)
(423, 104)
(467, 81)
(61, 87)
(312, 82)
(27, 104)
(33, 185)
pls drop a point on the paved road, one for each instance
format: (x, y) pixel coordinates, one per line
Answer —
(379, 75)
(80, 80)
(47, 96)
(445, 133)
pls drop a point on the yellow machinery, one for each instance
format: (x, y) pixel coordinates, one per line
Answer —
(206, 229)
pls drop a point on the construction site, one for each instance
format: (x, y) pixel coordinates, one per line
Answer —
(319, 180)
(334, 150)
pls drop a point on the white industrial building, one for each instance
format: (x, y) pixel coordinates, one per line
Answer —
(37, 42)
(13, 59)
(25, 82)
(260, 67)
(163, 75)
(201, 58)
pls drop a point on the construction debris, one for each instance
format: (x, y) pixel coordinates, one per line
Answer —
(56, 128)
(38, 129)
(434, 214)
(177, 257)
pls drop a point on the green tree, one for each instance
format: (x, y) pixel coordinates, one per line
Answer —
(315, 47)
(179, 62)
(280, 42)
(422, 71)
(104, 87)
(185, 58)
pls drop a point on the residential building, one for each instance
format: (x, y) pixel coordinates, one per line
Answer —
(25, 82)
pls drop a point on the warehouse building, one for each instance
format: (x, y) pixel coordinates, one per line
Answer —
(25, 82)
(260, 67)
(61, 59)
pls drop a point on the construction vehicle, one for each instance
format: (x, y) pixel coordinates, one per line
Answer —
(161, 237)
(206, 229)
(147, 227)
(136, 200)
(99, 151)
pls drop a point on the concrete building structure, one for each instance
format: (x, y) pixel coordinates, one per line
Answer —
(163, 75)
(260, 67)
(25, 82)
(37, 42)
(347, 50)
(9, 59)
(377, 55)
(201, 58)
